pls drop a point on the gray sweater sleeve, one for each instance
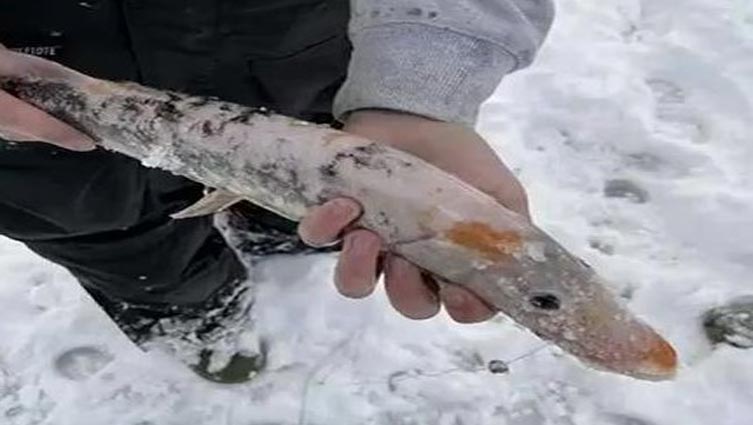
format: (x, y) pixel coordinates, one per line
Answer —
(438, 58)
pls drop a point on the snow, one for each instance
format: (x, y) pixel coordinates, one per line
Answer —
(655, 92)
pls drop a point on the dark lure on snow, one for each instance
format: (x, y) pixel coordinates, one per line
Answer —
(424, 214)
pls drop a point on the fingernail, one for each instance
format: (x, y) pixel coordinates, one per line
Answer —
(86, 143)
(354, 281)
(84, 147)
(347, 208)
(347, 245)
(357, 244)
(79, 143)
(364, 243)
(353, 245)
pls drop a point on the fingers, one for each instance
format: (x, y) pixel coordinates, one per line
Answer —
(24, 122)
(408, 291)
(324, 224)
(357, 267)
(20, 121)
(415, 296)
(463, 306)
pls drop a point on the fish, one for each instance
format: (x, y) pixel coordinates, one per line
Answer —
(427, 216)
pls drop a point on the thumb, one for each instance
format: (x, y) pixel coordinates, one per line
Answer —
(15, 64)
(21, 121)
(513, 196)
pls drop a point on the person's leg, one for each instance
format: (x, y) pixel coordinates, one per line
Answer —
(171, 283)
(106, 218)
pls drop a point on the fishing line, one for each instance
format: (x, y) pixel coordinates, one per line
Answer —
(494, 366)
(320, 366)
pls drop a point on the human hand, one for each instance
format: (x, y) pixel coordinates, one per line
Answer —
(411, 291)
(22, 122)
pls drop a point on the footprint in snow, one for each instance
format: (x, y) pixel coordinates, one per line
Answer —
(626, 189)
(645, 161)
(676, 117)
(81, 363)
(667, 162)
(602, 246)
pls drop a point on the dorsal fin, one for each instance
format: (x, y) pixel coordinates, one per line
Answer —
(211, 203)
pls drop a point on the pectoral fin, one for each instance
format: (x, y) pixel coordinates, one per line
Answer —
(209, 204)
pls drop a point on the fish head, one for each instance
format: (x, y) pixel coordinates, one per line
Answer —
(557, 296)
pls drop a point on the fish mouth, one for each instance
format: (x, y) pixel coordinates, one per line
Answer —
(647, 356)
(659, 362)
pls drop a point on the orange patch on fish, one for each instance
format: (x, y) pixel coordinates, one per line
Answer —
(662, 356)
(493, 244)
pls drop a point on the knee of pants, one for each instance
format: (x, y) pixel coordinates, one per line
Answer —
(171, 262)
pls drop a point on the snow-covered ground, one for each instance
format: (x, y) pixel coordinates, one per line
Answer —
(649, 98)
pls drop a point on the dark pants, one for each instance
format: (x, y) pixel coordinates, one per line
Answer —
(104, 216)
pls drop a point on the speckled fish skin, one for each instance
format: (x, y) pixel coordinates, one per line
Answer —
(424, 214)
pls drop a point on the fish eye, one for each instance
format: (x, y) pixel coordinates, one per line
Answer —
(548, 302)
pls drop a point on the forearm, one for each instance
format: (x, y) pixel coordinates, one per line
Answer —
(438, 58)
